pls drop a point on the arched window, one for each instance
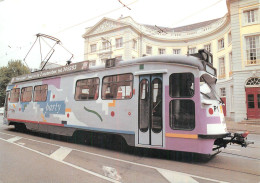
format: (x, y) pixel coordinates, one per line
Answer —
(253, 82)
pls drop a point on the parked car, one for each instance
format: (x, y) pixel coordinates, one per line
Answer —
(1, 111)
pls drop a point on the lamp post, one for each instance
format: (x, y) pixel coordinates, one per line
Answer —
(104, 39)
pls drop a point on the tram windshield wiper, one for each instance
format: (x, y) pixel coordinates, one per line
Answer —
(205, 95)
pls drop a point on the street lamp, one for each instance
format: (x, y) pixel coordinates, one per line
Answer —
(104, 39)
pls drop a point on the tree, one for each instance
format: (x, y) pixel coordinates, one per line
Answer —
(13, 69)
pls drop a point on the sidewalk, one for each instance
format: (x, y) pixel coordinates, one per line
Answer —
(242, 127)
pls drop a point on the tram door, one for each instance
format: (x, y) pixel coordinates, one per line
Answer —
(150, 110)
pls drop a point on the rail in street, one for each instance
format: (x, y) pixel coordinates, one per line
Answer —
(234, 164)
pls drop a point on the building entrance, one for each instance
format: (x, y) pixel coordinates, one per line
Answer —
(253, 98)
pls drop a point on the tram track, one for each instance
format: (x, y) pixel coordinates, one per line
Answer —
(202, 165)
(131, 163)
(222, 168)
(241, 156)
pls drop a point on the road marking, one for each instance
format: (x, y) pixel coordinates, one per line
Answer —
(22, 144)
(61, 153)
(66, 163)
(111, 173)
(111, 158)
(176, 177)
(14, 139)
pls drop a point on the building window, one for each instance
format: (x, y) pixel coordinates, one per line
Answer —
(253, 49)
(222, 68)
(87, 89)
(134, 44)
(15, 93)
(181, 85)
(176, 51)
(40, 93)
(117, 86)
(149, 50)
(222, 92)
(93, 48)
(192, 50)
(229, 38)
(92, 62)
(161, 51)
(253, 82)
(26, 94)
(105, 45)
(182, 114)
(119, 42)
(207, 47)
(251, 16)
(221, 44)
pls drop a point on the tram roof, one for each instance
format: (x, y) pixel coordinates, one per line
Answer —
(84, 66)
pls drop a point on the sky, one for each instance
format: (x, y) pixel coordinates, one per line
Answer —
(21, 20)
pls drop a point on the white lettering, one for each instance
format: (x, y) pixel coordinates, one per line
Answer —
(53, 107)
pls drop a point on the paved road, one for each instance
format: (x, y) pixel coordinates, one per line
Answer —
(33, 157)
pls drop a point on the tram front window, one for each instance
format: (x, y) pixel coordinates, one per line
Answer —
(207, 88)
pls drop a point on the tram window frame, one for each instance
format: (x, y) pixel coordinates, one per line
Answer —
(172, 88)
(24, 93)
(94, 83)
(16, 99)
(42, 98)
(184, 123)
(156, 96)
(113, 88)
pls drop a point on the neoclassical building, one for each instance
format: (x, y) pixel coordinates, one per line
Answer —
(234, 41)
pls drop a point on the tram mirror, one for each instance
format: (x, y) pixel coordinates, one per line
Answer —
(204, 55)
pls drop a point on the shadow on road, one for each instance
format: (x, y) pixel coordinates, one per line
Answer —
(117, 143)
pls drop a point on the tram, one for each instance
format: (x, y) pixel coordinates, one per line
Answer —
(164, 102)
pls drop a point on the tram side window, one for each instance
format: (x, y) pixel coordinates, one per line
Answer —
(26, 94)
(15, 92)
(182, 114)
(87, 89)
(181, 85)
(40, 93)
(117, 86)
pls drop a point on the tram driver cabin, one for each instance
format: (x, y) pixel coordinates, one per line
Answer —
(166, 102)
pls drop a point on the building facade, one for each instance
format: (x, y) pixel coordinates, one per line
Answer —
(234, 41)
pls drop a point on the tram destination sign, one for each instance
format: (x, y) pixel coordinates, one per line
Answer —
(81, 66)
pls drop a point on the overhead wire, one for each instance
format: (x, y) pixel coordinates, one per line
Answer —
(199, 11)
(93, 18)
(108, 12)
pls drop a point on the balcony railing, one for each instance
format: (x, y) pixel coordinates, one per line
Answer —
(253, 62)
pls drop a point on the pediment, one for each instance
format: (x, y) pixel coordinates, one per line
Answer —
(103, 26)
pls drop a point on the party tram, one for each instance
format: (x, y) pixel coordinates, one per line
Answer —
(164, 102)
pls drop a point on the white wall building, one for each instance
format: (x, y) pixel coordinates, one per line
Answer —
(234, 41)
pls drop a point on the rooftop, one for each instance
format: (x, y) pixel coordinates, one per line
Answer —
(183, 28)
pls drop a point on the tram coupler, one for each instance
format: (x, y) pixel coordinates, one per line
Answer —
(235, 138)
